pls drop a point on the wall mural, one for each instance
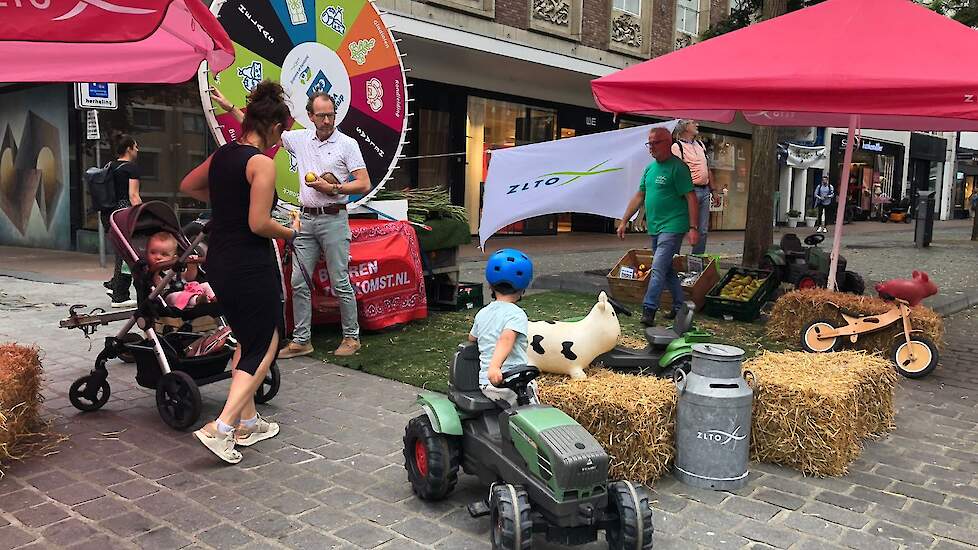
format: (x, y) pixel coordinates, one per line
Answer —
(34, 168)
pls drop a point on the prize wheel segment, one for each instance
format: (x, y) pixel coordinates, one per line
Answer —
(341, 47)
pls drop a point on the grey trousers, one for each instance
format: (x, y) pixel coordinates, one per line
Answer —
(327, 235)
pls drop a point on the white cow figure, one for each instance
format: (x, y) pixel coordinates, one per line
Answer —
(567, 348)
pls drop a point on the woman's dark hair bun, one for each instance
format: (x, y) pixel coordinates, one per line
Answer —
(267, 90)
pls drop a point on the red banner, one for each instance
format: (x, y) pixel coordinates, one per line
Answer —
(386, 273)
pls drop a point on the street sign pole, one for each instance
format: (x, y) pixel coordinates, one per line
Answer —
(101, 228)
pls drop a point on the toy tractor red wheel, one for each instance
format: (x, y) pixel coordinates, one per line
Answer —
(813, 341)
(916, 359)
(510, 516)
(431, 459)
(630, 502)
(811, 280)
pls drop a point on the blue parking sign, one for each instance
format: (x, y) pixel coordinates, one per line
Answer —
(98, 89)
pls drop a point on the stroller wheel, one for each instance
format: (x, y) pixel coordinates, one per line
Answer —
(269, 386)
(89, 393)
(178, 400)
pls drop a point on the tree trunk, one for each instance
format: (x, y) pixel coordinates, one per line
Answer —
(759, 232)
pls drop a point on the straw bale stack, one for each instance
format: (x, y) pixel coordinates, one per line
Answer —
(633, 417)
(20, 399)
(793, 311)
(811, 410)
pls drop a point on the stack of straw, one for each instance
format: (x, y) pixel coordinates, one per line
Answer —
(20, 399)
(633, 417)
(811, 411)
(795, 310)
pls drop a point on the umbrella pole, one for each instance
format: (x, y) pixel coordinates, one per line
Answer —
(840, 212)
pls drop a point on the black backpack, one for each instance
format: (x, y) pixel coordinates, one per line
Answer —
(101, 186)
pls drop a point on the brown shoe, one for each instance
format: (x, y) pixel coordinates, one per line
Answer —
(348, 346)
(294, 350)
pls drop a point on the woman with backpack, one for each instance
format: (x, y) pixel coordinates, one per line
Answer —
(692, 152)
(125, 178)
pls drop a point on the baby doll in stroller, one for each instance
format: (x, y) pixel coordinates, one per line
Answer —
(185, 342)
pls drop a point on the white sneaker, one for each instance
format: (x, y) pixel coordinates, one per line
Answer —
(125, 304)
(263, 430)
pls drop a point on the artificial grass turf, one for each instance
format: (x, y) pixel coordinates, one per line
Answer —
(418, 353)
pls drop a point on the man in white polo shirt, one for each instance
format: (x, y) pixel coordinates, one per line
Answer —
(338, 163)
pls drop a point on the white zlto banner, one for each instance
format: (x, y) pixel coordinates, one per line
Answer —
(592, 174)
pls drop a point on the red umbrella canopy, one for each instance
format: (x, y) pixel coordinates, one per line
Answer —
(896, 64)
(109, 40)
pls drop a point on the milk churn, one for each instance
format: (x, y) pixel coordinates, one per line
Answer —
(713, 419)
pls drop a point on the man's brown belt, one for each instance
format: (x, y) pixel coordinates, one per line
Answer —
(328, 209)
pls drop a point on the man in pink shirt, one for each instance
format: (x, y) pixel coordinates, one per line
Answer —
(693, 153)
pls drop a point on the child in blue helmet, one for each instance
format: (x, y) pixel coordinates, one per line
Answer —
(500, 328)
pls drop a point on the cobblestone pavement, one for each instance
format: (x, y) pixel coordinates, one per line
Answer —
(333, 478)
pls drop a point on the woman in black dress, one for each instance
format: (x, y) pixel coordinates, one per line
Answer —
(239, 182)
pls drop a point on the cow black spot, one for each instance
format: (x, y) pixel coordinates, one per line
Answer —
(537, 348)
(551, 322)
(566, 351)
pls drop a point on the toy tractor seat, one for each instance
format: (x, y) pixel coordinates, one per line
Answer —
(464, 381)
(661, 336)
(792, 247)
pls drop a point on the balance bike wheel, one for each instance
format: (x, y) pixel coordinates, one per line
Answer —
(925, 357)
(510, 518)
(269, 386)
(178, 400)
(811, 342)
(88, 393)
(630, 502)
(431, 459)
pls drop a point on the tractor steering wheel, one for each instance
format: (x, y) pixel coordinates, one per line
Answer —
(517, 378)
(814, 239)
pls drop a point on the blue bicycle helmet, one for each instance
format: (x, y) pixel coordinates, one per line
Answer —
(510, 267)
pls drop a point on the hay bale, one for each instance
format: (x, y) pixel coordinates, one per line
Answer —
(793, 311)
(812, 410)
(20, 399)
(633, 417)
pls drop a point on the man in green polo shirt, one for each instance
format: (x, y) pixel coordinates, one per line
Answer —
(670, 204)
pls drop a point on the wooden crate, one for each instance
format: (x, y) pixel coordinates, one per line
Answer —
(633, 290)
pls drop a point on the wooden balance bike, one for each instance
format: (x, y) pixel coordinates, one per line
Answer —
(915, 355)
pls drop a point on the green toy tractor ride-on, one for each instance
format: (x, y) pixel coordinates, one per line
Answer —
(808, 267)
(546, 474)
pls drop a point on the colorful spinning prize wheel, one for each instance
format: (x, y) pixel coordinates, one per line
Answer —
(340, 47)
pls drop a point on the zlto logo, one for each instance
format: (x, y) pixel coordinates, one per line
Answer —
(81, 6)
(563, 177)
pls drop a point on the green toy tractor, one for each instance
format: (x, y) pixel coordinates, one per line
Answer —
(808, 267)
(546, 474)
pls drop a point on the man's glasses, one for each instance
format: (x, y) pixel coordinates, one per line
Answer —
(321, 116)
(655, 142)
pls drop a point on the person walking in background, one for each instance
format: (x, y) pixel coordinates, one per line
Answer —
(238, 181)
(125, 179)
(693, 153)
(671, 204)
(824, 194)
(338, 169)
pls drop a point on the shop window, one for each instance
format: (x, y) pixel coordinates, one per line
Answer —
(633, 7)
(193, 123)
(688, 16)
(148, 119)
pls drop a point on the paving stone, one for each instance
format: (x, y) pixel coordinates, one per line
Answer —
(365, 463)
(421, 530)
(101, 542)
(23, 498)
(67, 532)
(919, 493)
(290, 503)
(879, 497)
(461, 543)
(708, 537)
(812, 525)
(778, 537)
(964, 504)
(777, 498)
(901, 474)
(308, 484)
(183, 482)
(193, 519)
(157, 469)
(364, 534)
(750, 508)
(162, 503)
(101, 508)
(76, 494)
(955, 532)
(130, 524)
(380, 513)
(939, 513)
(328, 518)
(109, 476)
(293, 455)
(354, 479)
(899, 534)
(899, 517)
(162, 538)
(225, 537)
(12, 537)
(843, 501)
(864, 541)
(395, 492)
(835, 514)
(787, 485)
(272, 524)
(868, 480)
(340, 497)
(134, 489)
(712, 517)
(41, 515)
(51, 480)
(311, 539)
(665, 501)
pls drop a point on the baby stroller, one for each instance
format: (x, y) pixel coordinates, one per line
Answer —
(897, 213)
(181, 349)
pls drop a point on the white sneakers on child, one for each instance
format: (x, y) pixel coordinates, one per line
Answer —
(261, 431)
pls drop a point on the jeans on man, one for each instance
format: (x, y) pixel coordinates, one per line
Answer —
(327, 235)
(664, 247)
(703, 197)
